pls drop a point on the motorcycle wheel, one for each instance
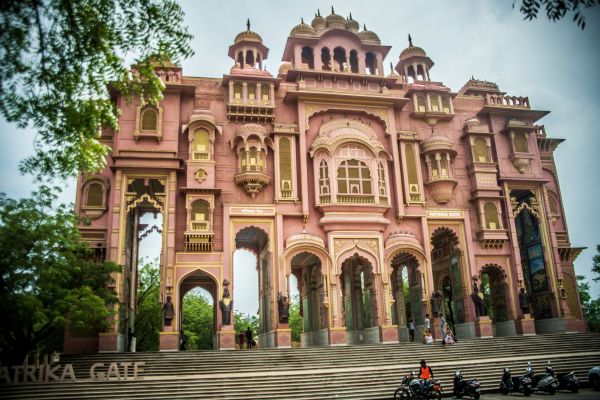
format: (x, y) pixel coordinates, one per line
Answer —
(527, 392)
(399, 394)
(458, 395)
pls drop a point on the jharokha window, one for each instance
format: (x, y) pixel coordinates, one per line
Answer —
(520, 142)
(95, 195)
(149, 119)
(324, 187)
(200, 216)
(354, 177)
(491, 216)
(201, 145)
(480, 150)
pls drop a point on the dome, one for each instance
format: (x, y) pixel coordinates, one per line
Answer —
(302, 29)
(412, 51)
(335, 21)
(248, 36)
(436, 143)
(368, 36)
(318, 22)
(285, 67)
(353, 25)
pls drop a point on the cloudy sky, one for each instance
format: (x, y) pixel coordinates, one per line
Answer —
(555, 64)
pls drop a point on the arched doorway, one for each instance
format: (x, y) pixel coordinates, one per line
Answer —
(494, 289)
(406, 291)
(447, 275)
(198, 312)
(256, 241)
(531, 249)
(307, 269)
(360, 304)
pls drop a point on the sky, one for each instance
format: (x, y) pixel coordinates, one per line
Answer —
(554, 64)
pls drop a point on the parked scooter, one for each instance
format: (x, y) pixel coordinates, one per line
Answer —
(517, 384)
(566, 380)
(465, 387)
(412, 387)
(546, 383)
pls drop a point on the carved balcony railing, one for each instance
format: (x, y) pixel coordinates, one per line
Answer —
(507, 101)
(355, 199)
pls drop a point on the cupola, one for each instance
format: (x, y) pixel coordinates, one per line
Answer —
(248, 50)
(303, 29)
(335, 21)
(319, 22)
(368, 37)
(353, 25)
(414, 64)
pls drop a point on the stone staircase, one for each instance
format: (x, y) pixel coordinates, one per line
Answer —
(348, 372)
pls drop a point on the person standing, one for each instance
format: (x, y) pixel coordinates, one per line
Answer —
(249, 340)
(427, 322)
(425, 371)
(411, 329)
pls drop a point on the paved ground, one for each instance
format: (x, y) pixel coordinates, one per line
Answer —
(584, 394)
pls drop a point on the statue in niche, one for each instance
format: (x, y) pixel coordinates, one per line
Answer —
(436, 303)
(477, 297)
(168, 311)
(226, 304)
(283, 308)
(523, 301)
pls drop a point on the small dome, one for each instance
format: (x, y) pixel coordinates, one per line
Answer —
(393, 73)
(368, 36)
(412, 51)
(302, 30)
(353, 25)
(335, 21)
(437, 143)
(248, 36)
(319, 22)
(285, 67)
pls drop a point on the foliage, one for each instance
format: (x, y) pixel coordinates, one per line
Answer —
(295, 320)
(242, 321)
(198, 321)
(148, 318)
(596, 264)
(49, 279)
(58, 59)
(591, 308)
(557, 9)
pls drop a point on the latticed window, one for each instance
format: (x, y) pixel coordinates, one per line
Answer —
(520, 141)
(324, 178)
(265, 93)
(354, 177)
(381, 180)
(480, 150)
(433, 101)
(253, 161)
(243, 160)
(200, 215)
(411, 166)
(446, 105)
(149, 119)
(421, 103)
(95, 195)
(491, 216)
(251, 92)
(237, 91)
(444, 165)
(285, 167)
(201, 145)
(434, 166)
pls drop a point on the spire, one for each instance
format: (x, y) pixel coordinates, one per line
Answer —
(248, 24)
(409, 41)
(332, 11)
(350, 18)
(302, 20)
(392, 67)
(318, 12)
(364, 27)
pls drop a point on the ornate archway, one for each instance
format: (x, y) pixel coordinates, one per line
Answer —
(407, 292)
(199, 279)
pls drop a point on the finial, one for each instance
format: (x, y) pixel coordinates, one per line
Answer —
(350, 18)
(392, 67)
(248, 24)
(332, 11)
(302, 20)
(364, 27)
(318, 12)
(410, 41)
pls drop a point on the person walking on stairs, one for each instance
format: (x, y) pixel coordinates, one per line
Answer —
(249, 340)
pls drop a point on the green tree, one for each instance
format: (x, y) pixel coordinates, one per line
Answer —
(60, 58)
(148, 319)
(557, 9)
(591, 308)
(295, 319)
(49, 279)
(198, 321)
(596, 264)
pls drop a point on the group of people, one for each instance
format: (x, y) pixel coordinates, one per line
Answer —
(448, 336)
(247, 338)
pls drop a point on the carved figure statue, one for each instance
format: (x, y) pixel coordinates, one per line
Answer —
(477, 297)
(436, 302)
(523, 301)
(226, 304)
(168, 311)
(283, 308)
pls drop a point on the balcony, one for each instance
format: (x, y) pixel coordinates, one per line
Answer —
(507, 101)
(252, 178)
(356, 199)
(198, 241)
(441, 188)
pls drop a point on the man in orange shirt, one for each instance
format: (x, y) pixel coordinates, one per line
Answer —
(425, 371)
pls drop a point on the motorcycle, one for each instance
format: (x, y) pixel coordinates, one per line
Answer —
(519, 384)
(546, 383)
(465, 387)
(566, 380)
(412, 387)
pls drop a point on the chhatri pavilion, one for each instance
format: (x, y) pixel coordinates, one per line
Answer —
(387, 195)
